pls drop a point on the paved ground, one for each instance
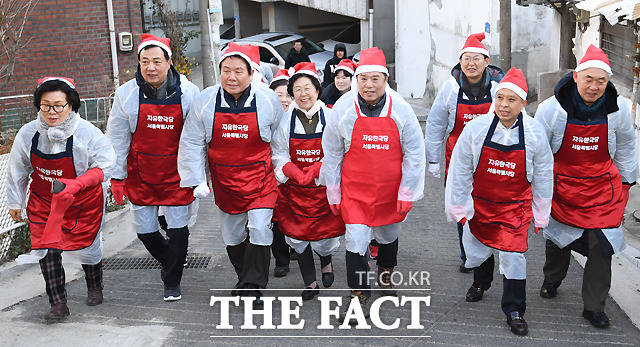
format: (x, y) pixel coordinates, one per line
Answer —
(134, 314)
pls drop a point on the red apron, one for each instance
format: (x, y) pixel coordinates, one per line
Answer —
(372, 171)
(82, 220)
(152, 164)
(502, 194)
(240, 161)
(466, 111)
(303, 211)
(587, 186)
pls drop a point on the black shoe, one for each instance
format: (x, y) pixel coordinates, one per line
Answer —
(310, 292)
(462, 268)
(384, 281)
(172, 294)
(475, 293)
(280, 271)
(257, 302)
(548, 290)
(327, 279)
(235, 292)
(517, 323)
(597, 319)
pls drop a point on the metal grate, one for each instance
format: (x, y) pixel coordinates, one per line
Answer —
(193, 262)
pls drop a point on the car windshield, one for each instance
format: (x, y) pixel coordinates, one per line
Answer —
(309, 46)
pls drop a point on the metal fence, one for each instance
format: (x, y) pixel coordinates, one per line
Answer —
(17, 110)
(7, 225)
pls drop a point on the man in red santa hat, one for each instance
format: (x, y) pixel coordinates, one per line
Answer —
(230, 129)
(591, 134)
(144, 128)
(373, 168)
(499, 182)
(467, 94)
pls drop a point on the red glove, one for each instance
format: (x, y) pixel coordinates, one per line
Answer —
(118, 190)
(335, 208)
(537, 229)
(298, 176)
(404, 206)
(89, 179)
(463, 221)
(60, 202)
(314, 169)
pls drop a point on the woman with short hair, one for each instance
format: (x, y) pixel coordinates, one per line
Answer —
(68, 160)
(303, 211)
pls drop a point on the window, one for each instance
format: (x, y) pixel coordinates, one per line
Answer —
(617, 41)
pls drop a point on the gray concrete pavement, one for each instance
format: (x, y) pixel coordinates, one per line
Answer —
(133, 312)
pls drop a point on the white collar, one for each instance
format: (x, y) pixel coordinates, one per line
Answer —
(312, 111)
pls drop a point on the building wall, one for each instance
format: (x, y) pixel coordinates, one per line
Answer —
(452, 21)
(71, 38)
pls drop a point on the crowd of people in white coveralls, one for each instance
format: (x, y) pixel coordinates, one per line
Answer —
(294, 168)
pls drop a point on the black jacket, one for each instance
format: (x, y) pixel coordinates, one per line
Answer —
(331, 64)
(294, 57)
(330, 94)
(565, 94)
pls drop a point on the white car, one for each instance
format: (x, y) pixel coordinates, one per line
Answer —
(275, 46)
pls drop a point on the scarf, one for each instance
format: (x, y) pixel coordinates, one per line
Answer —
(61, 132)
(312, 111)
(585, 112)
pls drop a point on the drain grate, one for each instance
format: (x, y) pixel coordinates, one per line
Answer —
(193, 262)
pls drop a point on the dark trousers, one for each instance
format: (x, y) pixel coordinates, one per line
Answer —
(54, 276)
(387, 255)
(170, 252)
(279, 247)
(514, 296)
(307, 265)
(463, 256)
(596, 280)
(357, 269)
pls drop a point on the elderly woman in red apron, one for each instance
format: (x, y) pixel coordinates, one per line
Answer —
(67, 159)
(303, 211)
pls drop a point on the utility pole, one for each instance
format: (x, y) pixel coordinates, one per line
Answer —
(211, 18)
(208, 74)
(567, 59)
(505, 34)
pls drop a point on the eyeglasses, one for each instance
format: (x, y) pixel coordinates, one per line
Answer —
(475, 60)
(306, 90)
(56, 108)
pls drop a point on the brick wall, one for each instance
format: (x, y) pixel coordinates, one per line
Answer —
(71, 38)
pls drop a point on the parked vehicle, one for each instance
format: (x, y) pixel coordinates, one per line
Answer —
(349, 36)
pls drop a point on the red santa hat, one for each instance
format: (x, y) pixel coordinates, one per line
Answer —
(346, 65)
(148, 40)
(595, 57)
(305, 68)
(250, 53)
(372, 60)
(514, 80)
(473, 45)
(69, 81)
(282, 74)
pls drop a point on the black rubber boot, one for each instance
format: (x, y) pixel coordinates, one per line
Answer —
(178, 243)
(255, 268)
